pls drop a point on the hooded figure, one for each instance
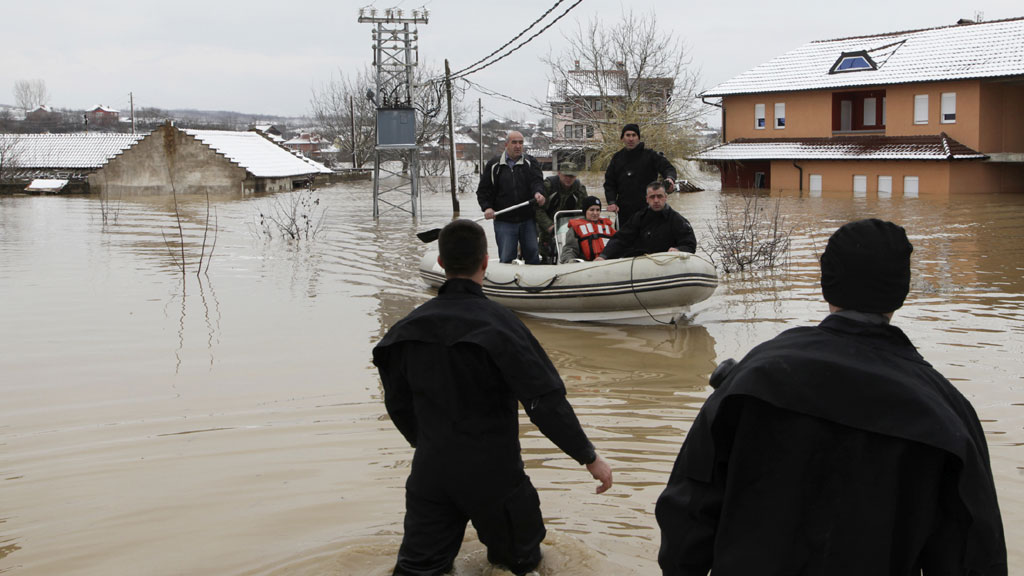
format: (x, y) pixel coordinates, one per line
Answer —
(836, 449)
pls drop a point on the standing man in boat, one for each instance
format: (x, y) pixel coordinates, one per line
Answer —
(629, 172)
(836, 449)
(587, 236)
(561, 192)
(508, 179)
(453, 373)
(656, 228)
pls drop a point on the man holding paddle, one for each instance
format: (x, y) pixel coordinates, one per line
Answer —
(511, 178)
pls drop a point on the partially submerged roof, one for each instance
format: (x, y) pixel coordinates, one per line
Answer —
(79, 150)
(940, 147)
(46, 185)
(962, 51)
(260, 156)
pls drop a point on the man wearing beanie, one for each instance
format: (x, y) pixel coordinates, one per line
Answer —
(836, 449)
(563, 191)
(630, 170)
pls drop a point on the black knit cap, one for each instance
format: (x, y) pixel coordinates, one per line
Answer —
(633, 127)
(866, 266)
(590, 201)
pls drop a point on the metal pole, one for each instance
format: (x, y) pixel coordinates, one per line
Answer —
(451, 137)
(131, 100)
(352, 114)
(480, 131)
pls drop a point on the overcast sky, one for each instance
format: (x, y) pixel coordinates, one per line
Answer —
(264, 56)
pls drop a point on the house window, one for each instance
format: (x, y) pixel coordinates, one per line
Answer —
(760, 180)
(578, 131)
(590, 131)
(759, 116)
(860, 186)
(869, 111)
(921, 109)
(885, 186)
(910, 186)
(815, 182)
(852, 62)
(568, 131)
(948, 108)
(598, 105)
(780, 115)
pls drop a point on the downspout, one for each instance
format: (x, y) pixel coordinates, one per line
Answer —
(797, 166)
(704, 100)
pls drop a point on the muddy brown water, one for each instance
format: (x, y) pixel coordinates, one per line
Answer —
(233, 423)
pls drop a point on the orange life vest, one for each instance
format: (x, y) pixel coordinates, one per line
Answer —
(592, 235)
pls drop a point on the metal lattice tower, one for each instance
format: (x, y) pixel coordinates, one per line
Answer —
(395, 55)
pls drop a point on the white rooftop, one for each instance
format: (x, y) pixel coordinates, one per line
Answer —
(962, 51)
(939, 147)
(260, 156)
(79, 150)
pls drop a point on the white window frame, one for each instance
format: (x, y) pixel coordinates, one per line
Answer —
(885, 186)
(870, 111)
(814, 183)
(860, 186)
(920, 109)
(947, 108)
(780, 115)
(911, 186)
(759, 118)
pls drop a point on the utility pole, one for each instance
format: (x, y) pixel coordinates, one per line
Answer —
(480, 131)
(131, 104)
(393, 49)
(352, 115)
(451, 137)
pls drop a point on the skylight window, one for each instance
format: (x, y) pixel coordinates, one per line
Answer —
(853, 62)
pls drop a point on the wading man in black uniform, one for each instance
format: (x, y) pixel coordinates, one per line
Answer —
(454, 371)
(836, 449)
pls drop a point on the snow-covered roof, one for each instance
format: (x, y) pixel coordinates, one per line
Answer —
(963, 51)
(46, 185)
(257, 154)
(102, 108)
(940, 147)
(587, 83)
(78, 150)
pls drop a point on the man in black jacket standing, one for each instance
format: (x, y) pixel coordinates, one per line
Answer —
(656, 228)
(454, 371)
(836, 449)
(630, 170)
(508, 179)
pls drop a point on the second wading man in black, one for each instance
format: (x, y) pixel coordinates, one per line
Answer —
(454, 372)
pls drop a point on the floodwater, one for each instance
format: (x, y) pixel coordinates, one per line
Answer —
(232, 423)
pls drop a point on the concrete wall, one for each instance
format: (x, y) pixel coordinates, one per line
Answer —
(966, 129)
(1002, 117)
(167, 155)
(808, 115)
(837, 177)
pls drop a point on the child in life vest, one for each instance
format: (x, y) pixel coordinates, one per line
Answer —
(587, 236)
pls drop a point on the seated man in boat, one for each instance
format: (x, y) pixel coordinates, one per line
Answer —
(561, 192)
(656, 228)
(587, 236)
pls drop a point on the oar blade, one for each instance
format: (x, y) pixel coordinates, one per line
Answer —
(429, 235)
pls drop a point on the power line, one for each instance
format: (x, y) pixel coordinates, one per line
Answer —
(517, 37)
(465, 73)
(490, 92)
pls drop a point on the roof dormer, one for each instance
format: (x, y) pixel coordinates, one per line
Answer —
(853, 62)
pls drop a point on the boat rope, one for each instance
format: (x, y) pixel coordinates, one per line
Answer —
(632, 287)
(535, 289)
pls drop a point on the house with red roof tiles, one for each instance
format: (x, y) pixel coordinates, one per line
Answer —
(899, 114)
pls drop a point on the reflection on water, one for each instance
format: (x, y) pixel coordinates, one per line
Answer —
(237, 415)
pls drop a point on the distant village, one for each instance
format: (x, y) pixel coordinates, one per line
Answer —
(936, 110)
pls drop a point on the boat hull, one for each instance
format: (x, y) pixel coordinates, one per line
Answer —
(645, 289)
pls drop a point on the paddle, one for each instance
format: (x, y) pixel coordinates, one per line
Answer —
(430, 235)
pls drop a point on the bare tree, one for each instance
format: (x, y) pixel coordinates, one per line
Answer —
(30, 94)
(341, 100)
(625, 71)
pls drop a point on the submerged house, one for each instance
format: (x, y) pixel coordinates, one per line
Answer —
(171, 159)
(939, 110)
(66, 158)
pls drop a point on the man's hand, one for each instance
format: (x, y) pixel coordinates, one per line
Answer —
(539, 198)
(670, 185)
(489, 214)
(601, 472)
(611, 208)
(598, 259)
(673, 249)
(551, 228)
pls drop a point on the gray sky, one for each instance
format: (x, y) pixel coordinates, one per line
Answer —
(262, 56)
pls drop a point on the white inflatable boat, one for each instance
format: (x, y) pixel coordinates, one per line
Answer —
(641, 290)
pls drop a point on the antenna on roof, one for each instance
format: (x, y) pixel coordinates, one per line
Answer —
(979, 16)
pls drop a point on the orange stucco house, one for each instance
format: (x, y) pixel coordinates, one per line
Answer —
(934, 111)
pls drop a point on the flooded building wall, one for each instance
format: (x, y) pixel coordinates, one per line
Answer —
(1002, 117)
(168, 156)
(838, 176)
